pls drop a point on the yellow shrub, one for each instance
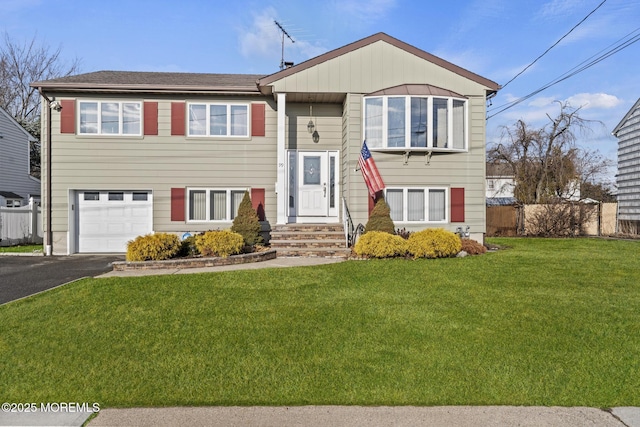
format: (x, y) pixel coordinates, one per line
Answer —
(219, 243)
(434, 243)
(380, 244)
(153, 247)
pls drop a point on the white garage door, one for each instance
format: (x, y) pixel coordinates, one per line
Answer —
(107, 220)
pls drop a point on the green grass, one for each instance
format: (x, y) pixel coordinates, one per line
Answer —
(545, 322)
(21, 249)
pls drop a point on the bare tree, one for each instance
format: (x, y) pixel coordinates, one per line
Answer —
(20, 65)
(546, 162)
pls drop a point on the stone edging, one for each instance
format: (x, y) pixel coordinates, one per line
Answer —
(194, 262)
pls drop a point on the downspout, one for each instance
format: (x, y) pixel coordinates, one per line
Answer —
(48, 198)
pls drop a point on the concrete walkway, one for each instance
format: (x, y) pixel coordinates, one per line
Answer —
(337, 416)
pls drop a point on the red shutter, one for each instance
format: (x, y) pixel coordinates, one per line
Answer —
(177, 118)
(68, 116)
(257, 120)
(177, 204)
(457, 205)
(257, 200)
(372, 203)
(150, 118)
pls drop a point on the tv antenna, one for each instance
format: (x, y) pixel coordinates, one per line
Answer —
(284, 33)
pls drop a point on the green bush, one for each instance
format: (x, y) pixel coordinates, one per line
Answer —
(434, 243)
(380, 244)
(153, 247)
(472, 247)
(219, 243)
(247, 223)
(188, 247)
(380, 218)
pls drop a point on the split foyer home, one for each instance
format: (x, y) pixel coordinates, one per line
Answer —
(130, 153)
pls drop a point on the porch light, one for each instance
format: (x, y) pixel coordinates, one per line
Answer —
(315, 136)
(310, 127)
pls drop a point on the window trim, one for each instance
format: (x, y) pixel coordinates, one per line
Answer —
(228, 106)
(405, 204)
(208, 190)
(407, 123)
(120, 103)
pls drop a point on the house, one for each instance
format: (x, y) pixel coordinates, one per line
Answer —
(17, 186)
(500, 185)
(628, 177)
(140, 152)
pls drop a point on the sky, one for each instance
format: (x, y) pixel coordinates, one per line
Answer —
(496, 39)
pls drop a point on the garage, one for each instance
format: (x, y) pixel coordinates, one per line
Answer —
(107, 220)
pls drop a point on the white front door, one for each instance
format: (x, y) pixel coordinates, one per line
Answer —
(313, 176)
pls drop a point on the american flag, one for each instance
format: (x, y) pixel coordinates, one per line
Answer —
(369, 171)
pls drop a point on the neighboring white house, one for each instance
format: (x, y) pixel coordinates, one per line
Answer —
(628, 177)
(500, 185)
(17, 186)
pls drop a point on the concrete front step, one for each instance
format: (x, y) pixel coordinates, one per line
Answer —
(314, 252)
(308, 243)
(309, 240)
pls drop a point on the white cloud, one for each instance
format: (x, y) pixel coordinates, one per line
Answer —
(365, 10)
(594, 100)
(263, 38)
(558, 8)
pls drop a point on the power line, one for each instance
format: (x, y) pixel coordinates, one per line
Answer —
(619, 45)
(554, 45)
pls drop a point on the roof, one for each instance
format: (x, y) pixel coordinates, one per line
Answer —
(491, 85)
(625, 118)
(17, 125)
(501, 201)
(415, 89)
(152, 82)
(10, 195)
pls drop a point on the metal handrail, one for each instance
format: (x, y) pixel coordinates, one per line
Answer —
(351, 232)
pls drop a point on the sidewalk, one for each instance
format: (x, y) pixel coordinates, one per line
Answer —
(338, 416)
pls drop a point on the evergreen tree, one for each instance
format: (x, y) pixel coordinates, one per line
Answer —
(380, 218)
(246, 223)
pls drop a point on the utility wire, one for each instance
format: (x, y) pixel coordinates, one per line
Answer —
(554, 45)
(621, 44)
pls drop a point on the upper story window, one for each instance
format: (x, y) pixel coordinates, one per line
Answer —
(219, 120)
(404, 122)
(110, 118)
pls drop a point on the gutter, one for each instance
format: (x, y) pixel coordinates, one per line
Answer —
(48, 199)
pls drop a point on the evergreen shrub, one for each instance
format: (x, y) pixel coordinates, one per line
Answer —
(380, 218)
(219, 243)
(247, 223)
(472, 247)
(434, 243)
(153, 247)
(380, 244)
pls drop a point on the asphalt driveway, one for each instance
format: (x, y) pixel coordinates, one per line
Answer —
(23, 276)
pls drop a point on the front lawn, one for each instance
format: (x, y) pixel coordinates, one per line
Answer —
(21, 249)
(545, 322)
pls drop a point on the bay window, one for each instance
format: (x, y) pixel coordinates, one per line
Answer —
(407, 122)
(110, 118)
(219, 120)
(417, 204)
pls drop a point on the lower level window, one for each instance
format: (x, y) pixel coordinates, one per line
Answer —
(417, 204)
(213, 204)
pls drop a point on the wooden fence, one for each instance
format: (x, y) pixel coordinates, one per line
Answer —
(597, 219)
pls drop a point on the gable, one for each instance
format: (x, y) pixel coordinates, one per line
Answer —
(373, 64)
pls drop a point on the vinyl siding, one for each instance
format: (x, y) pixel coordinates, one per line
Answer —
(628, 177)
(14, 159)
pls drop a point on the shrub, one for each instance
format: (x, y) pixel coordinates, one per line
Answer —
(153, 247)
(380, 218)
(472, 247)
(247, 223)
(380, 244)
(188, 247)
(434, 243)
(219, 243)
